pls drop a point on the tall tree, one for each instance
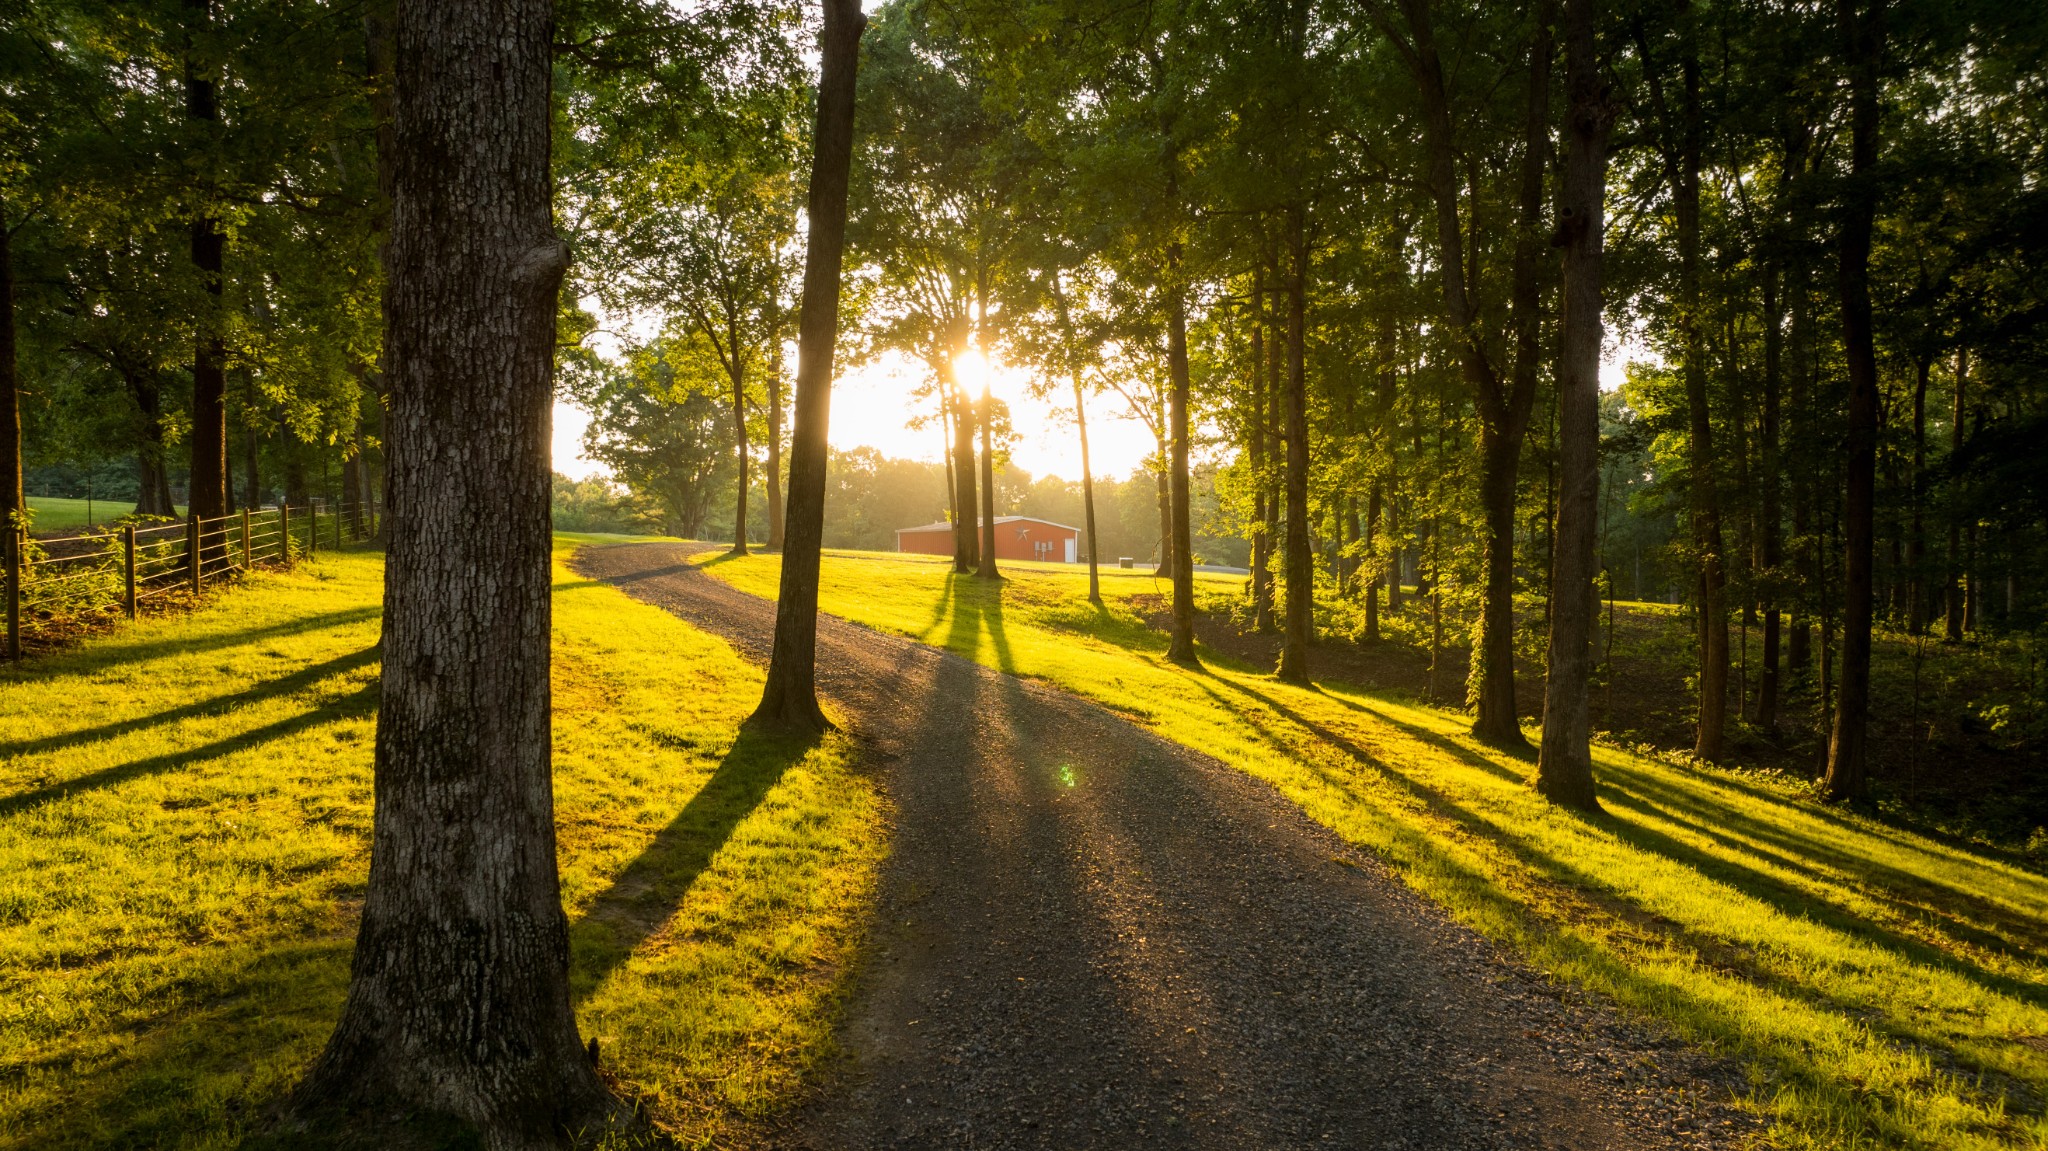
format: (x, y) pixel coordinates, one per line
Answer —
(1564, 766)
(458, 1016)
(209, 477)
(1863, 39)
(790, 697)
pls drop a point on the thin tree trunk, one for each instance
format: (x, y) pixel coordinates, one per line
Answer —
(153, 491)
(458, 1012)
(1503, 411)
(1916, 530)
(1274, 480)
(743, 450)
(1299, 571)
(790, 698)
(1371, 585)
(1564, 765)
(986, 569)
(966, 541)
(1848, 764)
(1181, 648)
(1711, 724)
(1952, 583)
(1163, 500)
(775, 508)
(1261, 464)
(1087, 491)
(1769, 541)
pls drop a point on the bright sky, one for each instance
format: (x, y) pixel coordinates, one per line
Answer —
(872, 407)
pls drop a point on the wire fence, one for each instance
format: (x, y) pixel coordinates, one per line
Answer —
(63, 581)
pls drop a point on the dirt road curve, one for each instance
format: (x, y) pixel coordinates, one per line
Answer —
(1091, 938)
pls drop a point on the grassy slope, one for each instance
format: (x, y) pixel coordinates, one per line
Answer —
(1885, 990)
(184, 818)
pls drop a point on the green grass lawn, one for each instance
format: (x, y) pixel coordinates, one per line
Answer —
(1885, 989)
(61, 515)
(184, 821)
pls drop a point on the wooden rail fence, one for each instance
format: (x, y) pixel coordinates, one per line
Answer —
(73, 577)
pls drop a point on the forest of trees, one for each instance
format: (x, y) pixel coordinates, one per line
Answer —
(1356, 265)
(1325, 251)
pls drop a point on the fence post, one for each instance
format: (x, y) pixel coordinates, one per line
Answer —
(339, 515)
(312, 529)
(128, 561)
(284, 533)
(245, 539)
(192, 549)
(14, 550)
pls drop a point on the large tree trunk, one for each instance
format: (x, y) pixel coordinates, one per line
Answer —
(13, 504)
(1711, 725)
(1848, 763)
(458, 1015)
(1564, 765)
(208, 491)
(790, 698)
(1299, 570)
(1181, 648)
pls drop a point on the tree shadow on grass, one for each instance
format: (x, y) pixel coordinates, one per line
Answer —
(123, 650)
(645, 894)
(289, 684)
(977, 607)
(361, 702)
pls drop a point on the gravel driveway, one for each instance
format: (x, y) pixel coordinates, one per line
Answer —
(1088, 937)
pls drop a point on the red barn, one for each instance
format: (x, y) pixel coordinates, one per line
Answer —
(1017, 538)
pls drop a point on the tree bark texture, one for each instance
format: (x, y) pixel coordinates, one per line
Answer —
(208, 491)
(1299, 571)
(790, 698)
(1564, 765)
(458, 1015)
(1181, 647)
(12, 502)
(1848, 764)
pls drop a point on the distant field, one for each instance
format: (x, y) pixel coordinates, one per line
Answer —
(61, 515)
(184, 834)
(1885, 989)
